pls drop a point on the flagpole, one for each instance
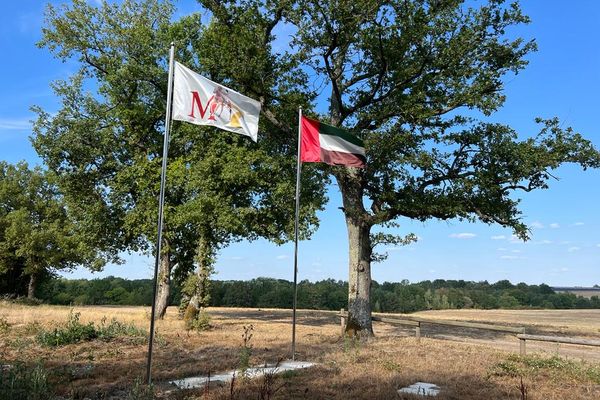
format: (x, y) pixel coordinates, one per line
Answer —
(161, 201)
(298, 171)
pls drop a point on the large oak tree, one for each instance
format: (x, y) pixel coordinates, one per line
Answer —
(105, 142)
(418, 80)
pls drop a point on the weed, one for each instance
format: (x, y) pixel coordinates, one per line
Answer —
(73, 331)
(352, 347)
(390, 365)
(555, 366)
(20, 382)
(246, 349)
(200, 323)
(141, 391)
(33, 328)
(115, 329)
(268, 384)
(522, 390)
(4, 326)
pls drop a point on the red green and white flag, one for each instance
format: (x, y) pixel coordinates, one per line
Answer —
(331, 145)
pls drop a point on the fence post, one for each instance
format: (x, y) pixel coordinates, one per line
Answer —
(522, 347)
(418, 332)
(342, 322)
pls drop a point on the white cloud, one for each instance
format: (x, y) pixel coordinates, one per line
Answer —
(565, 242)
(515, 239)
(501, 249)
(545, 241)
(498, 237)
(515, 251)
(237, 258)
(283, 257)
(537, 225)
(598, 245)
(463, 235)
(554, 225)
(564, 269)
(578, 224)
(8, 124)
(316, 264)
(509, 257)
(573, 249)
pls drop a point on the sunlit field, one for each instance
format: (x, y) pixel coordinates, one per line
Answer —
(465, 364)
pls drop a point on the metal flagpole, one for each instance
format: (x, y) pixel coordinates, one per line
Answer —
(298, 170)
(161, 201)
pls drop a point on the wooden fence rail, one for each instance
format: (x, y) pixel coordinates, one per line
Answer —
(554, 339)
(519, 331)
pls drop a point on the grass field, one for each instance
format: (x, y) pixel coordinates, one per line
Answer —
(466, 364)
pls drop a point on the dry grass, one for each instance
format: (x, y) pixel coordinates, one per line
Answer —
(583, 322)
(347, 369)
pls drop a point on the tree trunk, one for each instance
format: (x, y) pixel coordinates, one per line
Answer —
(359, 278)
(199, 298)
(33, 280)
(164, 285)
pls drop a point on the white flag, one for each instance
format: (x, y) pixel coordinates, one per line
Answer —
(203, 102)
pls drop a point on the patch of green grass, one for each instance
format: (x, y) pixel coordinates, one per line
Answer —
(556, 367)
(73, 331)
(22, 382)
(4, 326)
(141, 391)
(390, 365)
(200, 323)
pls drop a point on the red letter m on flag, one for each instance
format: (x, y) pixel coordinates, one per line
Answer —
(196, 101)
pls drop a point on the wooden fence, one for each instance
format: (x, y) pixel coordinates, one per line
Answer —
(555, 339)
(518, 331)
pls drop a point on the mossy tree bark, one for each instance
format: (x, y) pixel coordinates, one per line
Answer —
(32, 286)
(164, 283)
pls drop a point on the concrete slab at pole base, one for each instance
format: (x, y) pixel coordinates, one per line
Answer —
(421, 389)
(199, 381)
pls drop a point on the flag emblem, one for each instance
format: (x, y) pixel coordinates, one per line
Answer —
(200, 101)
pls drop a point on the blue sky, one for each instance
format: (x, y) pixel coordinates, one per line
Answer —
(563, 80)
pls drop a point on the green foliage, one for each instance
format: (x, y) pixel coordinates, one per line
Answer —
(141, 391)
(109, 290)
(245, 351)
(200, 323)
(418, 80)
(555, 366)
(4, 326)
(105, 142)
(73, 331)
(327, 294)
(24, 382)
(37, 234)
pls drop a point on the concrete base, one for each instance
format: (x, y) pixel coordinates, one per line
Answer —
(199, 381)
(422, 389)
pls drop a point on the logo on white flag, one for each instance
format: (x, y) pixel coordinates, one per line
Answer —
(201, 101)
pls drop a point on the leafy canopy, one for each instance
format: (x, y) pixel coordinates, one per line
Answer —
(37, 236)
(105, 143)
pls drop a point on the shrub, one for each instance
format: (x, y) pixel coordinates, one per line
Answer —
(200, 323)
(73, 331)
(20, 382)
(4, 326)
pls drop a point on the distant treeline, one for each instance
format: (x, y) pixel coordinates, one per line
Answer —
(327, 294)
